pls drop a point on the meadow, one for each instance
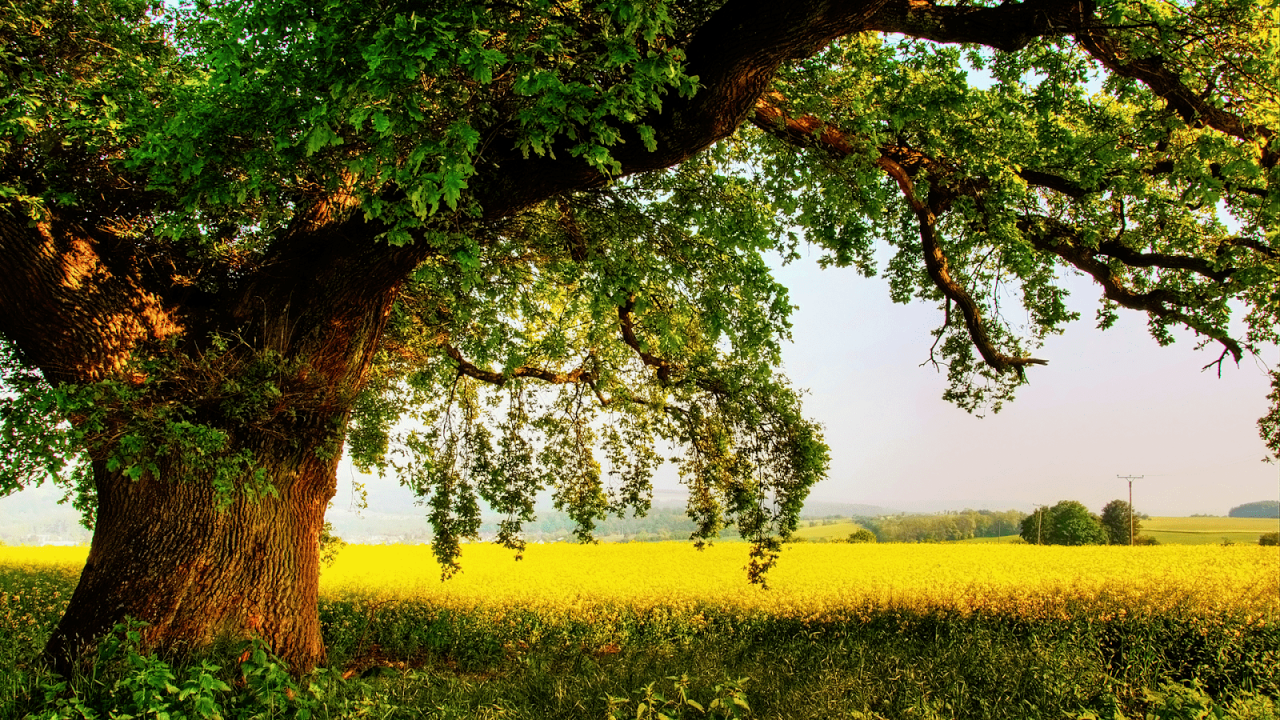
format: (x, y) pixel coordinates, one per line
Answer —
(663, 630)
(1206, 530)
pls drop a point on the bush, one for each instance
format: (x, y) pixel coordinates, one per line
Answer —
(1269, 539)
(1145, 540)
(128, 683)
(862, 535)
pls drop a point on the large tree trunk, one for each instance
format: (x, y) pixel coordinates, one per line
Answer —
(198, 562)
(164, 553)
(170, 548)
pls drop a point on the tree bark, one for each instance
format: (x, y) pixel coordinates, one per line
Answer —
(165, 554)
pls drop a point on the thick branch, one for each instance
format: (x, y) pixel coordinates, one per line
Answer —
(1253, 245)
(1055, 237)
(629, 337)
(1008, 27)
(73, 307)
(809, 131)
(935, 262)
(1166, 82)
(735, 55)
(1133, 258)
(1070, 188)
(1167, 167)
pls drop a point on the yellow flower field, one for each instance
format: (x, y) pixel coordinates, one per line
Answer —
(812, 581)
(826, 581)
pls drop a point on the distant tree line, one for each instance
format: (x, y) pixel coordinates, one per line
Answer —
(1070, 523)
(943, 527)
(1259, 509)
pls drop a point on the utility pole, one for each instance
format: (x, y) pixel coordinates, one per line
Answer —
(1040, 524)
(1130, 478)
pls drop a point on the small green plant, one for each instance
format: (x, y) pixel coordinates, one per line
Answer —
(126, 682)
(1175, 701)
(728, 702)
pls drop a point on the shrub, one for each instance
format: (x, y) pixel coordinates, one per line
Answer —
(1272, 538)
(862, 535)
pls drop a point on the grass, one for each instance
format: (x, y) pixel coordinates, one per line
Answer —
(1208, 530)
(875, 632)
(1002, 540)
(1212, 525)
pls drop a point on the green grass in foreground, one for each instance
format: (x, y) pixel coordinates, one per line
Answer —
(410, 660)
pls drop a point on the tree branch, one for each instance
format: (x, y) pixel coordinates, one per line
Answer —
(1053, 236)
(809, 131)
(935, 262)
(629, 337)
(1193, 107)
(580, 375)
(1008, 26)
(72, 306)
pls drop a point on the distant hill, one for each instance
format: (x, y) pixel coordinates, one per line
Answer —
(822, 509)
(1259, 509)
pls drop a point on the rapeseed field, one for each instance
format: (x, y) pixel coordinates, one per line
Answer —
(826, 581)
(819, 581)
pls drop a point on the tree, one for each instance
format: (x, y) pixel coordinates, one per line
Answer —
(861, 535)
(1120, 523)
(1032, 528)
(506, 248)
(1067, 523)
(1071, 523)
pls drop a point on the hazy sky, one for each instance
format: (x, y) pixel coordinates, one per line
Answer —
(1108, 403)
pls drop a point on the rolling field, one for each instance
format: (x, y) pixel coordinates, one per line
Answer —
(839, 530)
(1208, 530)
(629, 630)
